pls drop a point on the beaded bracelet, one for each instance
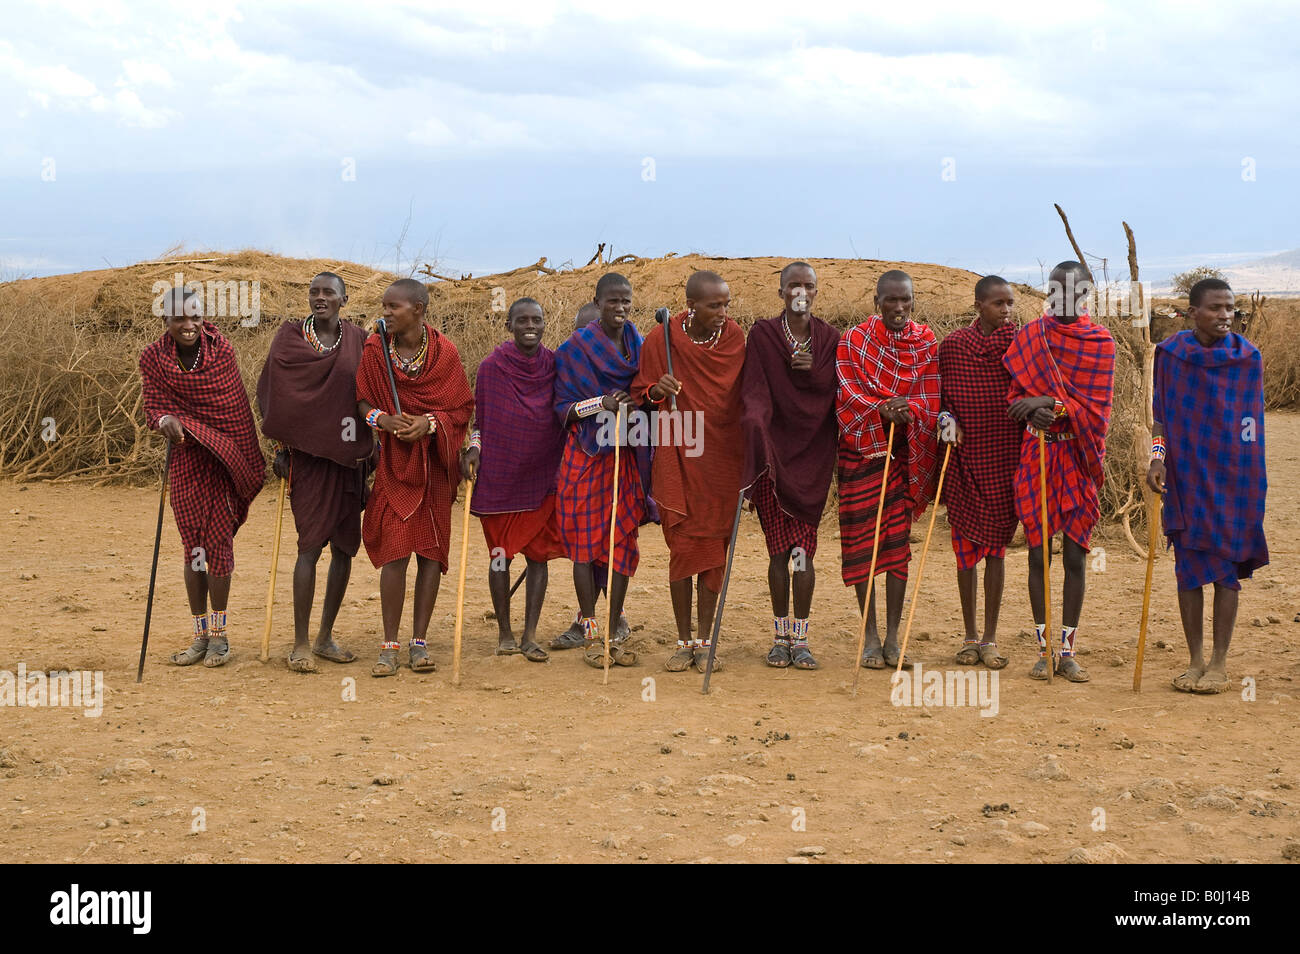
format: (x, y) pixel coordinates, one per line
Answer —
(1058, 408)
(372, 418)
(476, 440)
(589, 407)
(1158, 448)
(433, 423)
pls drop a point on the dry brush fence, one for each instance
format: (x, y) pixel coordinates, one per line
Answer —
(69, 345)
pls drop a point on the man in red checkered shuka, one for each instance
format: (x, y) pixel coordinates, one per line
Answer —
(195, 397)
(977, 489)
(1062, 380)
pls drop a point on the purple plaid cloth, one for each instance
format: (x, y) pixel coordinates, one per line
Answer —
(1210, 402)
(514, 397)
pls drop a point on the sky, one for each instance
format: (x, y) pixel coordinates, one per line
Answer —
(479, 137)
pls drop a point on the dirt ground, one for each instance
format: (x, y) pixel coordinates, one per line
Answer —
(528, 762)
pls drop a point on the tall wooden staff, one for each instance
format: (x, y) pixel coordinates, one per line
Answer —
(871, 574)
(613, 525)
(153, 573)
(925, 548)
(275, 563)
(1153, 532)
(1047, 553)
(460, 586)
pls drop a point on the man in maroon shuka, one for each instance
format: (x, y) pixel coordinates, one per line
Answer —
(788, 418)
(195, 397)
(973, 385)
(307, 396)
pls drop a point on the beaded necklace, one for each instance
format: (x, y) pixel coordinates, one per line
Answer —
(410, 366)
(198, 359)
(309, 332)
(708, 342)
(795, 344)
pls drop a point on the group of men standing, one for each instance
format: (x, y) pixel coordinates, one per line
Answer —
(763, 421)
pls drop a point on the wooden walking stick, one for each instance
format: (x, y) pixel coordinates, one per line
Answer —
(875, 551)
(925, 548)
(1153, 532)
(722, 596)
(275, 564)
(153, 573)
(1047, 553)
(613, 525)
(460, 586)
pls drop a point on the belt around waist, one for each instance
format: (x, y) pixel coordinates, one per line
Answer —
(1052, 438)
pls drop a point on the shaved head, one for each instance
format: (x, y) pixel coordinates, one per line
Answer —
(586, 315)
(701, 283)
(1076, 270)
(611, 280)
(793, 265)
(413, 291)
(892, 276)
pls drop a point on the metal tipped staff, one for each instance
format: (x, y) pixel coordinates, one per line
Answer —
(153, 573)
(661, 316)
(381, 326)
(722, 596)
(875, 552)
(925, 549)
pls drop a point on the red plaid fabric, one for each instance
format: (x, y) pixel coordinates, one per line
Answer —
(782, 531)
(875, 364)
(219, 468)
(969, 553)
(1075, 363)
(1072, 505)
(860, 480)
(534, 533)
(584, 492)
(206, 508)
(973, 383)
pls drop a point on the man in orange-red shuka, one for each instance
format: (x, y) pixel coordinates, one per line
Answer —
(409, 510)
(696, 483)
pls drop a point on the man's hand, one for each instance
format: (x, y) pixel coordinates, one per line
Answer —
(952, 434)
(469, 460)
(1024, 408)
(171, 429)
(665, 386)
(801, 361)
(412, 427)
(1156, 475)
(896, 411)
(280, 466)
(1043, 417)
(614, 398)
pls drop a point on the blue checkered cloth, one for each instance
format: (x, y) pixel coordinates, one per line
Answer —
(1210, 403)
